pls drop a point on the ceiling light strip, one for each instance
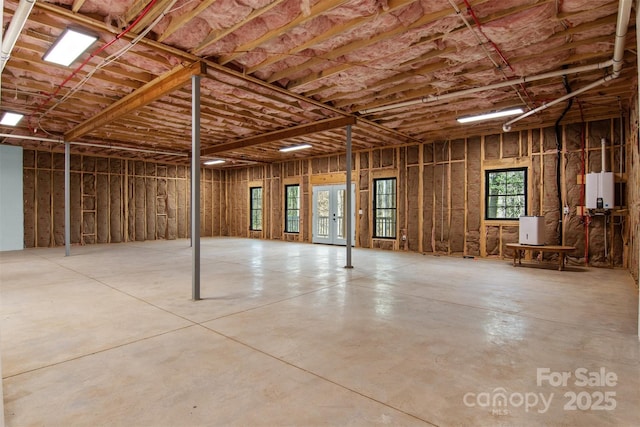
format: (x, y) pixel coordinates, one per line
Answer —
(11, 119)
(295, 148)
(69, 46)
(490, 116)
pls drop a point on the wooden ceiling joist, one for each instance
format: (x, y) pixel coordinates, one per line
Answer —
(281, 134)
(139, 98)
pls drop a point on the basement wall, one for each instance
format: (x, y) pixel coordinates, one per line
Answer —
(440, 189)
(114, 200)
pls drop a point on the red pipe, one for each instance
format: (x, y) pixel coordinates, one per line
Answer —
(495, 47)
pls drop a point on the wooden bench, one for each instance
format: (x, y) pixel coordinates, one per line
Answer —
(518, 250)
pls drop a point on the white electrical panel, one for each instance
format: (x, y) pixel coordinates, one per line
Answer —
(600, 190)
(532, 230)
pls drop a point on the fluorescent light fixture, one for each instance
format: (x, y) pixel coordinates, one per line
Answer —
(214, 162)
(295, 148)
(11, 119)
(489, 116)
(69, 46)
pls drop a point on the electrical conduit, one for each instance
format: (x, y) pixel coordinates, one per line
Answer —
(624, 14)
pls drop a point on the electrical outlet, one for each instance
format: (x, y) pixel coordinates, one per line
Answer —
(566, 210)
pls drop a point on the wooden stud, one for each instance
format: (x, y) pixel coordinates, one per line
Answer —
(433, 201)
(356, 179)
(52, 239)
(405, 171)
(466, 198)
(541, 189)
(563, 184)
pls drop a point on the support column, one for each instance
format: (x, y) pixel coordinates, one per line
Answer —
(348, 201)
(67, 198)
(195, 186)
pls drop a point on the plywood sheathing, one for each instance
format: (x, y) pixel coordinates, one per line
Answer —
(113, 200)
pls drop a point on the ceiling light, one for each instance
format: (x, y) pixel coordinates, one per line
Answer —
(295, 148)
(11, 119)
(214, 162)
(69, 46)
(489, 116)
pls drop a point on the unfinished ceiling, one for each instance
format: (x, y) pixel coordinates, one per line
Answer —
(282, 72)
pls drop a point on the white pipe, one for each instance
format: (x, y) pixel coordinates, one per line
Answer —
(622, 26)
(15, 28)
(603, 146)
(507, 126)
(624, 14)
(521, 80)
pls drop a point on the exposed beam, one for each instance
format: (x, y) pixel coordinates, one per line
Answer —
(281, 134)
(58, 11)
(139, 98)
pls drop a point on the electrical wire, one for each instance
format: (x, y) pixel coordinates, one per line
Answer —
(110, 59)
(495, 47)
(559, 143)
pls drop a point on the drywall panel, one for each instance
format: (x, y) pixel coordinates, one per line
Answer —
(11, 195)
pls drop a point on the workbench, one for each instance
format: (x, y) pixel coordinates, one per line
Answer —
(519, 249)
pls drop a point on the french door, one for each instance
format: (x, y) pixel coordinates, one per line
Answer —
(329, 222)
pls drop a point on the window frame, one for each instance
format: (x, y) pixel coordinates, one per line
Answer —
(287, 209)
(253, 210)
(487, 172)
(375, 209)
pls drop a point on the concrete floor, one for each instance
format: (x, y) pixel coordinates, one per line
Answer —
(286, 336)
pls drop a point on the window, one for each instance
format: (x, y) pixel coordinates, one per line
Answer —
(256, 209)
(506, 193)
(292, 208)
(384, 208)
